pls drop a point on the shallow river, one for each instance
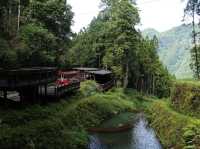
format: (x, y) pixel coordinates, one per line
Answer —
(140, 137)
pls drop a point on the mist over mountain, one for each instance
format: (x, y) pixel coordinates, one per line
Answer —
(174, 49)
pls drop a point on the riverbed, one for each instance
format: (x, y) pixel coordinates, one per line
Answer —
(141, 136)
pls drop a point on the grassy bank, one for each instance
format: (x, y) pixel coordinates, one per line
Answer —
(185, 97)
(59, 125)
(63, 125)
(174, 129)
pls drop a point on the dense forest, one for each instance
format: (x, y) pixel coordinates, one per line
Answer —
(37, 33)
(34, 33)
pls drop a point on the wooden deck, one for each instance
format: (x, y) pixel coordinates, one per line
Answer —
(15, 79)
(39, 83)
(55, 91)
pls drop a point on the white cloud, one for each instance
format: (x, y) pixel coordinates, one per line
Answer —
(158, 14)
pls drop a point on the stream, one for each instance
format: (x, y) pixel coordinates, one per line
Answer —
(139, 137)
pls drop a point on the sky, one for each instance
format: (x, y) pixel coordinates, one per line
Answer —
(158, 14)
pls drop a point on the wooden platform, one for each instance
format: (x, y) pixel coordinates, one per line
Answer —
(18, 78)
(26, 82)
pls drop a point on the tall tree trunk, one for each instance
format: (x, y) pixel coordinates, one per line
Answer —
(19, 15)
(153, 84)
(195, 42)
(126, 77)
(8, 26)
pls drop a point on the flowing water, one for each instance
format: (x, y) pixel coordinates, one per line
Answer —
(140, 137)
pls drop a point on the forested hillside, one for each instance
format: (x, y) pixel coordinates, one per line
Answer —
(34, 33)
(173, 50)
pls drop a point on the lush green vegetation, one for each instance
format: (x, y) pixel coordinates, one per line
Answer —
(185, 97)
(192, 10)
(34, 33)
(113, 42)
(38, 33)
(174, 129)
(59, 125)
(64, 124)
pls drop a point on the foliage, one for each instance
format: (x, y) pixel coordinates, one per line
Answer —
(192, 135)
(192, 10)
(41, 45)
(8, 56)
(93, 110)
(54, 14)
(59, 125)
(88, 88)
(38, 32)
(174, 130)
(185, 97)
(112, 41)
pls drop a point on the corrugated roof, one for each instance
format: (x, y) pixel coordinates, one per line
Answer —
(101, 72)
(86, 69)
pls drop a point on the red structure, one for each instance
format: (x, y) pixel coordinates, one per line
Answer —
(66, 78)
(38, 83)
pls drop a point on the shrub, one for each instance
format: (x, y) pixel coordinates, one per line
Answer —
(46, 134)
(96, 109)
(174, 130)
(186, 98)
(88, 88)
(192, 135)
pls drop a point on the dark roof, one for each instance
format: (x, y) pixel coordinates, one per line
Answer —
(86, 69)
(69, 72)
(101, 72)
(28, 70)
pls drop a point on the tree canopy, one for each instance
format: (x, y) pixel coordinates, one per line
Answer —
(112, 41)
(35, 33)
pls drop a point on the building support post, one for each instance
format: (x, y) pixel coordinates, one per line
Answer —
(45, 90)
(5, 94)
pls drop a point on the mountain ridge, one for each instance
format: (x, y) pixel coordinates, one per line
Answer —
(174, 45)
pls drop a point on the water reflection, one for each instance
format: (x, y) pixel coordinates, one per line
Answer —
(140, 137)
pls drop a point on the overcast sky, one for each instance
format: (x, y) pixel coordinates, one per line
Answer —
(158, 14)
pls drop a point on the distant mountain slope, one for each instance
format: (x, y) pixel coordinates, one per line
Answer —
(173, 51)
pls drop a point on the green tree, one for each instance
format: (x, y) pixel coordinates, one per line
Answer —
(40, 43)
(123, 19)
(193, 9)
(36, 30)
(111, 41)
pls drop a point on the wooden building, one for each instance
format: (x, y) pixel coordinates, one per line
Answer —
(26, 81)
(104, 78)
